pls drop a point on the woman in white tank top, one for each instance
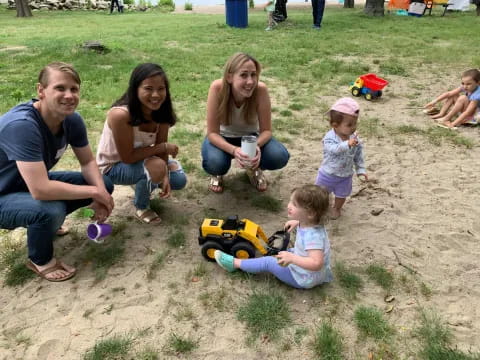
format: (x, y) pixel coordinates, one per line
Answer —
(133, 148)
(239, 105)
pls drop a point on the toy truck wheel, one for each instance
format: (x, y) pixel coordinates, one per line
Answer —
(379, 93)
(355, 91)
(243, 250)
(208, 250)
(368, 96)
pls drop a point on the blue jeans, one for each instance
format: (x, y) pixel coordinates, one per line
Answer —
(217, 162)
(42, 218)
(269, 264)
(318, 6)
(134, 174)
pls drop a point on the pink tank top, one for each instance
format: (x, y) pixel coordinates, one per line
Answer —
(107, 153)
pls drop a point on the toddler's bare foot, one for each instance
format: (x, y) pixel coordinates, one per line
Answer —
(335, 213)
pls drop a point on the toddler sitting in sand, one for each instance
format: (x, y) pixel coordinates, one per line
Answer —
(463, 101)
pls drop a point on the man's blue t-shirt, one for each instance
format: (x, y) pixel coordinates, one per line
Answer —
(24, 136)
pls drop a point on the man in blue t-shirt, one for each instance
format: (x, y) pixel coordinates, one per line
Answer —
(33, 137)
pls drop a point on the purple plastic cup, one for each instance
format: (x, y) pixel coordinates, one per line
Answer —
(98, 232)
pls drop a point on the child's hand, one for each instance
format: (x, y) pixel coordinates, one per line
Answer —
(362, 177)
(352, 142)
(285, 258)
(290, 225)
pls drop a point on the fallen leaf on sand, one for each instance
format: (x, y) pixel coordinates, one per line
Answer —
(389, 309)
(195, 279)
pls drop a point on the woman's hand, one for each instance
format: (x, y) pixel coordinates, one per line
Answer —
(255, 162)
(166, 188)
(171, 149)
(243, 159)
(285, 258)
(291, 224)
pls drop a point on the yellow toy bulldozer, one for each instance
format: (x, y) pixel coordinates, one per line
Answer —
(240, 238)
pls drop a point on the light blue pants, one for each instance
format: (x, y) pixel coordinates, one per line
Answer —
(269, 264)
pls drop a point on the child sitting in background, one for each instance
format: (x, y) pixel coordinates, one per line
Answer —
(342, 150)
(308, 263)
(463, 101)
(270, 8)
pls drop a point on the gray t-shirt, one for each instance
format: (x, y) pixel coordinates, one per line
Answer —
(312, 238)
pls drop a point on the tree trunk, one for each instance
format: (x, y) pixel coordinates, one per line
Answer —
(374, 8)
(23, 10)
(350, 4)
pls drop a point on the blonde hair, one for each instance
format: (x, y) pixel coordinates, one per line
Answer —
(44, 75)
(226, 97)
(314, 199)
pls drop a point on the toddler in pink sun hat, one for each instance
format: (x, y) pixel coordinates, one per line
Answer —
(342, 153)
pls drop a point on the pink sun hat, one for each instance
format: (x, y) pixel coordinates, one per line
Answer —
(346, 106)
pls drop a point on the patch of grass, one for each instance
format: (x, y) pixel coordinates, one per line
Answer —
(408, 129)
(184, 314)
(299, 334)
(371, 323)
(393, 68)
(179, 344)
(176, 239)
(328, 343)
(425, 290)
(436, 339)
(156, 264)
(103, 256)
(349, 281)
(218, 300)
(147, 354)
(286, 113)
(13, 256)
(380, 275)
(115, 348)
(436, 135)
(265, 314)
(267, 202)
(369, 127)
(296, 106)
(200, 269)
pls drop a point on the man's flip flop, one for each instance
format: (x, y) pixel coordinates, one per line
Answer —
(43, 274)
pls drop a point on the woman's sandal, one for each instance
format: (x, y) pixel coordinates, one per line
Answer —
(147, 216)
(216, 184)
(257, 179)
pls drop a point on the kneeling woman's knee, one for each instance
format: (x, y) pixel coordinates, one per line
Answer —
(178, 179)
(274, 156)
(156, 168)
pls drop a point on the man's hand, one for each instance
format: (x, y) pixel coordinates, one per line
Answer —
(105, 199)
